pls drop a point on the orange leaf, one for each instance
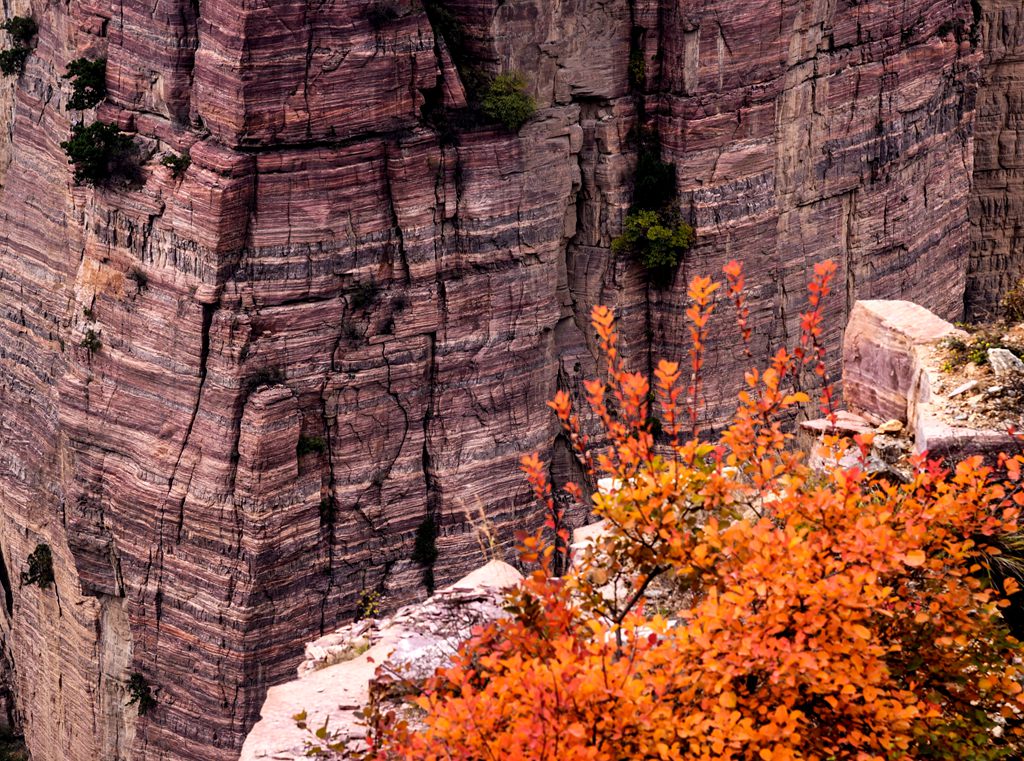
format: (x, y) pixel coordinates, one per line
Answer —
(915, 558)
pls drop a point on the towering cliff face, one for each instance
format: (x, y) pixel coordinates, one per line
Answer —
(337, 329)
(997, 203)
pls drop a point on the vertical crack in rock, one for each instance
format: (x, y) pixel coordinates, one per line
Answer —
(396, 224)
(5, 582)
(426, 555)
(208, 311)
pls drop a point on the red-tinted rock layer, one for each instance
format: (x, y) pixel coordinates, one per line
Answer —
(338, 327)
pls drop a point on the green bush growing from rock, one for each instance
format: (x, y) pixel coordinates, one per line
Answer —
(12, 62)
(177, 163)
(140, 694)
(88, 83)
(369, 605)
(22, 29)
(310, 444)
(98, 152)
(40, 568)
(91, 341)
(506, 101)
(658, 239)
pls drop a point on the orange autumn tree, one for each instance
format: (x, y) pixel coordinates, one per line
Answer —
(741, 605)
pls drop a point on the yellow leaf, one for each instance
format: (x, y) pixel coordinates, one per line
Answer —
(727, 700)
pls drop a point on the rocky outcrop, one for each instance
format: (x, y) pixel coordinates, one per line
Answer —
(895, 366)
(342, 669)
(885, 352)
(324, 345)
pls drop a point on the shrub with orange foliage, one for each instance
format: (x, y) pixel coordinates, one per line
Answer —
(827, 616)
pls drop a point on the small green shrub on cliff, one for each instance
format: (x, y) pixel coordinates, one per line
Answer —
(91, 341)
(88, 82)
(177, 163)
(13, 61)
(40, 568)
(22, 29)
(369, 604)
(310, 444)
(140, 694)
(506, 101)
(657, 239)
(98, 152)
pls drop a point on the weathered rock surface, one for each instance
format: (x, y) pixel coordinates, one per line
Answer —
(335, 276)
(997, 200)
(893, 366)
(882, 371)
(337, 676)
(1006, 365)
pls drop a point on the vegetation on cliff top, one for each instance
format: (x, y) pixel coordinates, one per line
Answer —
(742, 605)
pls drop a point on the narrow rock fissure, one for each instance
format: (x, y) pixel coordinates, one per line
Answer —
(204, 351)
(5, 582)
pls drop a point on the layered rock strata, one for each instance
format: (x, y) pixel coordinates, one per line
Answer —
(233, 400)
(997, 201)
